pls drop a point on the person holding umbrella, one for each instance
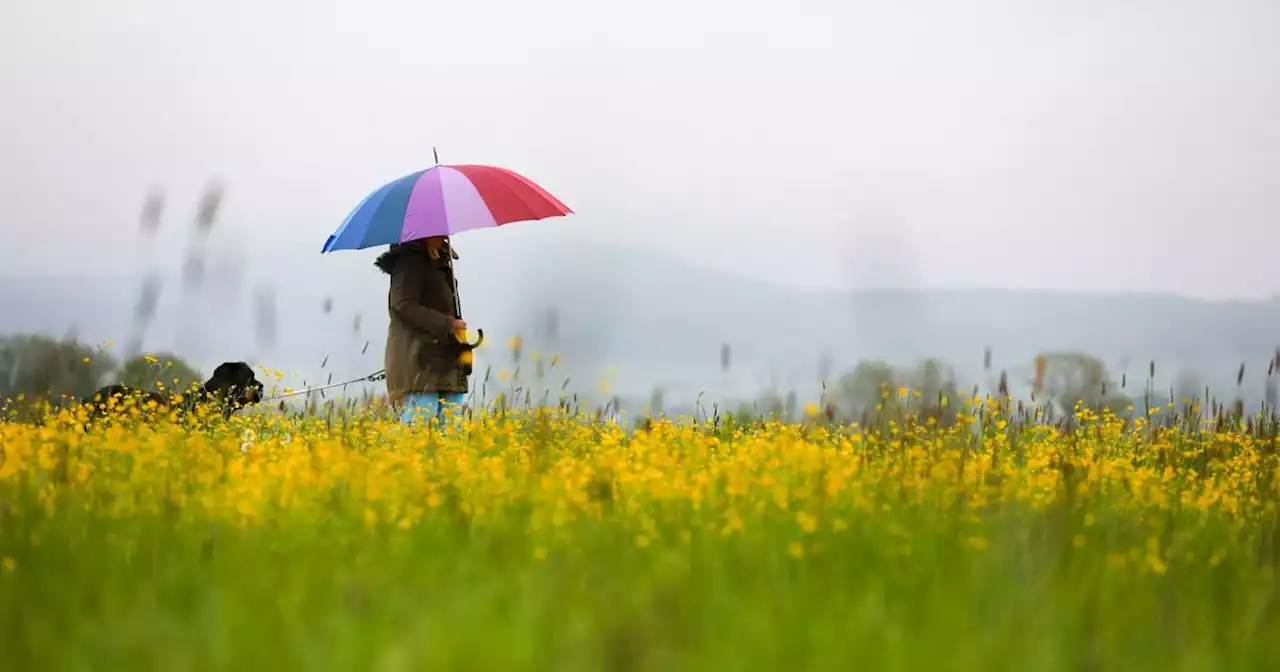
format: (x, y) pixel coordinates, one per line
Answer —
(428, 359)
(425, 374)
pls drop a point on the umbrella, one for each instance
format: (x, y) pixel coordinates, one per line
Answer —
(442, 201)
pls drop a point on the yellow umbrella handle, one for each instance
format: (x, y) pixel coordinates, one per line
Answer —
(461, 335)
(467, 358)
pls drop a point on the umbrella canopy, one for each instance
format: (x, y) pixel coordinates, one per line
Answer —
(442, 201)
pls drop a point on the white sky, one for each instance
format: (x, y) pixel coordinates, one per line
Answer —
(1075, 144)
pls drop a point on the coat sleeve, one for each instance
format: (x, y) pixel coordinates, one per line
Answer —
(406, 302)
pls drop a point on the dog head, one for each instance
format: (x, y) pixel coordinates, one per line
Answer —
(234, 383)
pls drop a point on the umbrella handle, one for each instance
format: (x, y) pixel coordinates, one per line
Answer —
(465, 357)
(472, 346)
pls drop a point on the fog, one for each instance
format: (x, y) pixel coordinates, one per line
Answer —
(816, 147)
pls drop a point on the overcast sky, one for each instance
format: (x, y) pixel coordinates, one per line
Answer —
(1075, 144)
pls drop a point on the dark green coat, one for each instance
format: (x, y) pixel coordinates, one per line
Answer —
(422, 351)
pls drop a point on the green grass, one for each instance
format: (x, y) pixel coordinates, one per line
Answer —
(156, 594)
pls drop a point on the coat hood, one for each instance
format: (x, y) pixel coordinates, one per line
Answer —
(386, 262)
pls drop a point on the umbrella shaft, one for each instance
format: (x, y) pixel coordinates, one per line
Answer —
(457, 303)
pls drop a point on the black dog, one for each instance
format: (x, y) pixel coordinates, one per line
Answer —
(232, 387)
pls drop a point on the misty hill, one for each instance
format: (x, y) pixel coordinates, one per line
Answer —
(659, 322)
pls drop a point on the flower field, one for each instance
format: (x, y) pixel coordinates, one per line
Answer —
(542, 541)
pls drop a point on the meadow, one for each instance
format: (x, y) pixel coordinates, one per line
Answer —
(983, 537)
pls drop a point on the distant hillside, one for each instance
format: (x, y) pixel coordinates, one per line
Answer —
(661, 323)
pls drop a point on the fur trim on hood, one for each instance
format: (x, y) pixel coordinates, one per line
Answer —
(386, 262)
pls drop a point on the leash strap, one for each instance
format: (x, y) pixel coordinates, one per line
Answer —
(374, 377)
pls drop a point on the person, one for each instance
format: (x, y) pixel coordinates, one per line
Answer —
(424, 374)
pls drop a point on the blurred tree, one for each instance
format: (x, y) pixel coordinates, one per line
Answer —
(938, 390)
(933, 382)
(1075, 378)
(39, 367)
(161, 371)
(873, 388)
(869, 384)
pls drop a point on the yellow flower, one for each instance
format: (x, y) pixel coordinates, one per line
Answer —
(557, 478)
(734, 524)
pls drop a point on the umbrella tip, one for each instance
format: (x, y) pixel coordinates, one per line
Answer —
(436, 155)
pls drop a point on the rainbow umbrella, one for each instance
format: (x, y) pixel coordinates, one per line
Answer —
(442, 201)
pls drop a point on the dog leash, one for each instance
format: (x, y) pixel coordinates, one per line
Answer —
(374, 377)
